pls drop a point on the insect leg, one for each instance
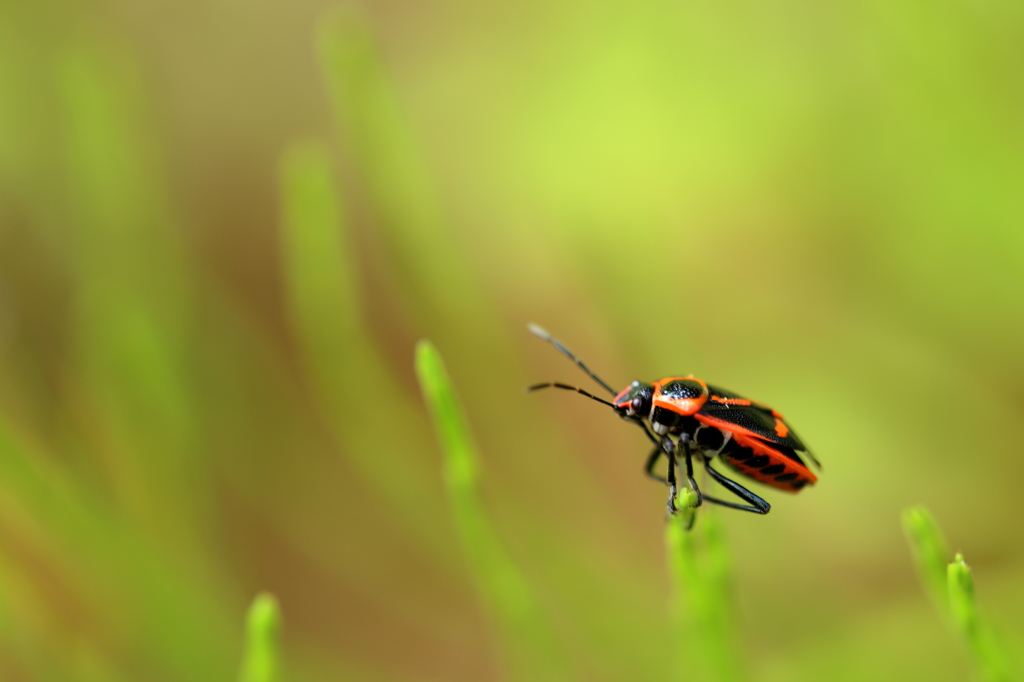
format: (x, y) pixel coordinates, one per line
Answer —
(689, 469)
(757, 505)
(670, 455)
(652, 461)
(667, 447)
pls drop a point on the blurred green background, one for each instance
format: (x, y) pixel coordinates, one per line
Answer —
(224, 226)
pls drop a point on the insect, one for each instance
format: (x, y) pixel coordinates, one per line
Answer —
(706, 423)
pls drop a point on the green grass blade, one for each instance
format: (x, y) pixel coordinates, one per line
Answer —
(111, 512)
(373, 124)
(951, 588)
(133, 318)
(928, 546)
(261, 661)
(432, 266)
(317, 259)
(529, 644)
(988, 653)
(719, 619)
(686, 588)
(108, 563)
(961, 596)
(701, 606)
(323, 301)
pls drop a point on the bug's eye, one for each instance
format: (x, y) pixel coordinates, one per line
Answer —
(637, 404)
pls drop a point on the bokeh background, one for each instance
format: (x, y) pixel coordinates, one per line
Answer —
(224, 226)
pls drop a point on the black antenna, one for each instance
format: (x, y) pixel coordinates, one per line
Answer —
(537, 331)
(552, 384)
(567, 387)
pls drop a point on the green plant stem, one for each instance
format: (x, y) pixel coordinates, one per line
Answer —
(988, 653)
(261, 660)
(529, 644)
(928, 546)
(325, 311)
(431, 266)
(701, 605)
(951, 589)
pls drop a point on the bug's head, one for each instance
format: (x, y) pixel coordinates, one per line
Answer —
(634, 402)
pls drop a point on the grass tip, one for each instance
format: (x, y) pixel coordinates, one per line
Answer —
(264, 606)
(960, 577)
(918, 521)
(263, 627)
(960, 586)
(264, 614)
(428, 360)
(928, 547)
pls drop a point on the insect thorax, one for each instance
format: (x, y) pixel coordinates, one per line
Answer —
(708, 439)
(666, 421)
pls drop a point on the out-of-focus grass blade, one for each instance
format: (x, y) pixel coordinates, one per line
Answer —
(41, 508)
(529, 643)
(433, 267)
(960, 585)
(929, 549)
(685, 581)
(133, 305)
(701, 606)
(112, 570)
(261, 660)
(951, 588)
(91, 666)
(989, 655)
(373, 124)
(132, 279)
(351, 380)
(322, 290)
(718, 577)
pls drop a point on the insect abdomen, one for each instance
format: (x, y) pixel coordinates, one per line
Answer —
(758, 460)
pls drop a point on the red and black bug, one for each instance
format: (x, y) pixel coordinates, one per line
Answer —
(706, 422)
